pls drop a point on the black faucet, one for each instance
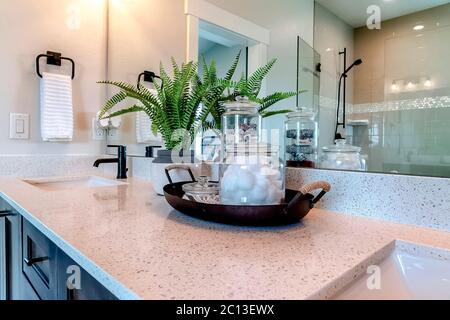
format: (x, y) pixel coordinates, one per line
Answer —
(121, 161)
(150, 151)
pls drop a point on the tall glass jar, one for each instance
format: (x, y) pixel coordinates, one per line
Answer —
(251, 172)
(301, 139)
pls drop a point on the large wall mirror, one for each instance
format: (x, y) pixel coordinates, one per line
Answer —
(398, 97)
(385, 63)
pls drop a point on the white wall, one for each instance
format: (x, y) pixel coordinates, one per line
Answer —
(31, 27)
(142, 34)
(332, 35)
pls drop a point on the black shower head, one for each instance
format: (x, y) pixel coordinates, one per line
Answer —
(356, 63)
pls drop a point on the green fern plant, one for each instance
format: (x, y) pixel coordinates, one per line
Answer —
(227, 90)
(173, 110)
(188, 102)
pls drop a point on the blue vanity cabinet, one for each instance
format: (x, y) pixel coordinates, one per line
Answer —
(74, 283)
(39, 261)
(32, 267)
(49, 269)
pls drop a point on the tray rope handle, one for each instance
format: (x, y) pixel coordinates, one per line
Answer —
(178, 167)
(317, 185)
(307, 188)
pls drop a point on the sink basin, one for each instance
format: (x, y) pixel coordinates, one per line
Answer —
(406, 272)
(55, 184)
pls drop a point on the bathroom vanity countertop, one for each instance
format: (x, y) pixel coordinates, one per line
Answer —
(137, 246)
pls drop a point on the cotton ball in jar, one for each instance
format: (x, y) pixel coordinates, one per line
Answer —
(228, 184)
(275, 196)
(270, 173)
(259, 194)
(245, 179)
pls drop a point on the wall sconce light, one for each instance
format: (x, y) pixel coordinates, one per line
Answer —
(428, 83)
(394, 86)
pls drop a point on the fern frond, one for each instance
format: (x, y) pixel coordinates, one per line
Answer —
(232, 70)
(126, 110)
(255, 81)
(274, 98)
(112, 102)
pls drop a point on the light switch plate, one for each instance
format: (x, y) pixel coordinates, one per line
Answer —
(19, 126)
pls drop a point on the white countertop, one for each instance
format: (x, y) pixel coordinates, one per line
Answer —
(136, 245)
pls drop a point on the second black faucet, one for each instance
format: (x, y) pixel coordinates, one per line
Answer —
(121, 161)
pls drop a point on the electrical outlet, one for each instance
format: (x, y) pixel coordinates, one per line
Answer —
(98, 133)
(113, 134)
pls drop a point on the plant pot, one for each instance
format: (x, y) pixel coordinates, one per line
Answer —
(164, 159)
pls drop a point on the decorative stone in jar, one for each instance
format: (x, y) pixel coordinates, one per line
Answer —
(301, 139)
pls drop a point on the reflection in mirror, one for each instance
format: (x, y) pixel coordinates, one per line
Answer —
(397, 99)
(222, 46)
(377, 76)
(137, 44)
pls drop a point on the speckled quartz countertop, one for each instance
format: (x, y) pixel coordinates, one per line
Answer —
(138, 247)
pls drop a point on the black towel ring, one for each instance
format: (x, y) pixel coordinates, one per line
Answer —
(53, 58)
(149, 76)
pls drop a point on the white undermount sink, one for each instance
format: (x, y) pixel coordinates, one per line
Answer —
(407, 272)
(55, 184)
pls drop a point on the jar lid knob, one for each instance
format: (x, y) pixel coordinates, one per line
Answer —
(203, 181)
(242, 99)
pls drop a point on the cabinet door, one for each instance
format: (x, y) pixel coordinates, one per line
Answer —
(74, 283)
(3, 262)
(8, 256)
(39, 261)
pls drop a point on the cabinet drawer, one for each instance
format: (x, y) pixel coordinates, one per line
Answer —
(39, 262)
(86, 287)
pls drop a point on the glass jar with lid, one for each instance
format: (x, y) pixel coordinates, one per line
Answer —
(301, 138)
(202, 191)
(251, 172)
(343, 156)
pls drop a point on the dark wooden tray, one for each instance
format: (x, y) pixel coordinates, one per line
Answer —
(297, 206)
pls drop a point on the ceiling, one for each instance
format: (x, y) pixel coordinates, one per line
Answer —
(204, 45)
(354, 12)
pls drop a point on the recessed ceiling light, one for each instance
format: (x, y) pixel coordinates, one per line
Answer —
(419, 27)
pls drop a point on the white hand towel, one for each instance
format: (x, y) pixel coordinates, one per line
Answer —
(144, 132)
(56, 107)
